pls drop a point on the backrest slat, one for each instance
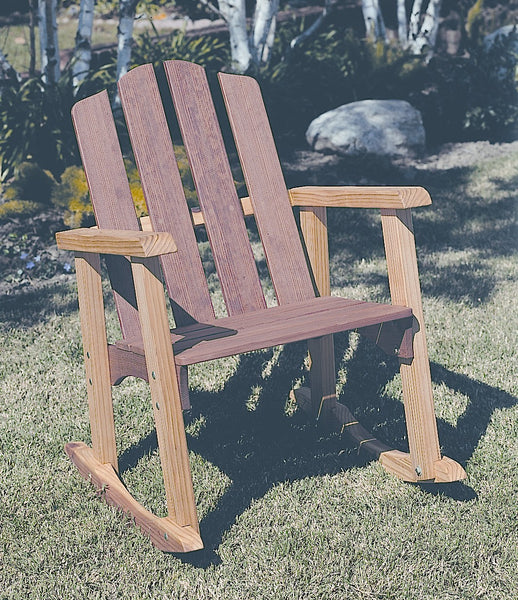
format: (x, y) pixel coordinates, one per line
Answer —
(267, 189)
(215, 187)
(110, 194)
(153, 149)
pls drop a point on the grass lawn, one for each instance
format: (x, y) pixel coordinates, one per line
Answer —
(287, 512)
(15, 42)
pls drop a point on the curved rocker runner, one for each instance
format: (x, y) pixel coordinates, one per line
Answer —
(139, 253)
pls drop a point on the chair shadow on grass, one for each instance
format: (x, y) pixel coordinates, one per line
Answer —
(260, 448)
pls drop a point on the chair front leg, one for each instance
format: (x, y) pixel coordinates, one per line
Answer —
(165, 394)
(398, 235)
(95, 349)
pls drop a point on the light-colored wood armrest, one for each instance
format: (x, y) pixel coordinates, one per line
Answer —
(141, 244)
(360, 196)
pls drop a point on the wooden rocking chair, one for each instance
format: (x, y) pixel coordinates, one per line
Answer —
(149, 350)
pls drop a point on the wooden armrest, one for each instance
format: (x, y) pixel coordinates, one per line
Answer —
(360, 197)
(141, 244)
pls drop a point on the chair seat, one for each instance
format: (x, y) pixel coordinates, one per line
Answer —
(273, 326)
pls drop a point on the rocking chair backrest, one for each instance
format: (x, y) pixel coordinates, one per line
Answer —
(224, 221)
(110, 195)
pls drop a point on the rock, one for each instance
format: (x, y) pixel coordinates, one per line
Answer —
(379, 127)
(502, 33)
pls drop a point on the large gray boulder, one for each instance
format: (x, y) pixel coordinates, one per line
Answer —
(379, 127)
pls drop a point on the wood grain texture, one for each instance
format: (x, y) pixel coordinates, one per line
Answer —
(277, 325)
(405, 290)
(224, 222)
(165, 395)
(115, 241)
(360, 196)
(164, 532)
(168, 211)
(95, 351)
(313, 224)
(267, 189)
(110, 194)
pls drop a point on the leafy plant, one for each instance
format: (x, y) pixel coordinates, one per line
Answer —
(72, 196)
(330, 69)
(208, 51)
(30, 182)
(18, 208)
(473, 97)
(35, 123)
(71, 193)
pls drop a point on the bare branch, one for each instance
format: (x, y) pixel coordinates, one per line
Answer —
(314, 27)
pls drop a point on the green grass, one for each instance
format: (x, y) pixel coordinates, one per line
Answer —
(287, 511)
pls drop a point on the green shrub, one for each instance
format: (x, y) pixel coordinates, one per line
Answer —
(30, 182)
(461, 98)
(209, 51)
(35, 122)
(13, 209)
(473, 97)
(72, 196)
(330, 69)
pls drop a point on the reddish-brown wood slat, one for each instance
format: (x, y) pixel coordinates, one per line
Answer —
(278, 325)
(267, 189)
(110, 194)
(215, 187)
(163, 190)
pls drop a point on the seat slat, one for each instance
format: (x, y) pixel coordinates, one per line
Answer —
(215, 187)
(267, 189)
(110, 194)
(278, 325)
(153, 149)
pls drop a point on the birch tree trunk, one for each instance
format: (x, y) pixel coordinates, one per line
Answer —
(402, 27)
(415, 18)
(127, 9)
(234, 13)
(373, 19)
(263, 32)
(427, 34)
(48, 27)
(33, 19)
(83, 48)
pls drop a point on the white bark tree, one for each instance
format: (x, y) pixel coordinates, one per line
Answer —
(251, 45)
(373, 19)
(83, 46)
(425, 36)
(417, 31)
(127, 10)
(49, 47)
(262, 35)
(402, 29)
(234, 14)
